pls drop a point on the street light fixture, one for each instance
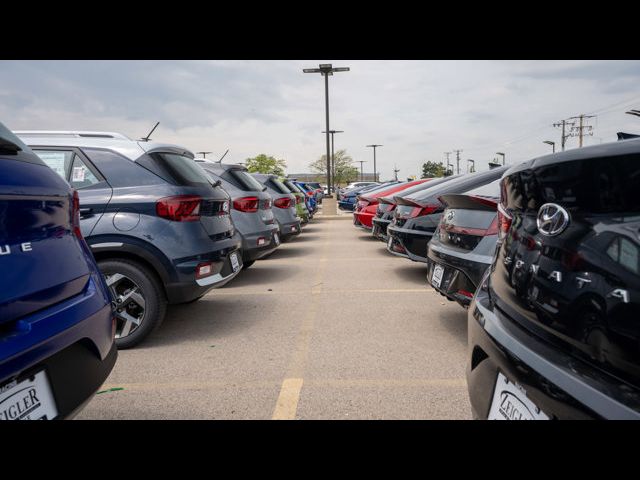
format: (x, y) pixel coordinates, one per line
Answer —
(326, 69)
(553, 144)
(333, 159)
(375, 171)
(502, 154)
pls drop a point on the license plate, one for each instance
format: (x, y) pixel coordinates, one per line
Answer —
(510, 402)
(30, 399)
(235, 264)
(436, 278)
(276, 239)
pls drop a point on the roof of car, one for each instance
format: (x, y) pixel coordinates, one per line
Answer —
(205, 162)
(611, 149)
(131, 149)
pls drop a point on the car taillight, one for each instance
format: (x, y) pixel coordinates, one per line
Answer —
(203, 270)
(283, 202)
(246, 204)
(181, 208)
(298, 199)
(75, 215)
(310, 194)
(420, 211)
(504, 222)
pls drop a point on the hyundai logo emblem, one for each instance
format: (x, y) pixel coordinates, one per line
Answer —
(552, 219)
(451, 214)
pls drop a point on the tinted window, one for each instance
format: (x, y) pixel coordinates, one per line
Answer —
(120, 171)
(489, 190)
(81, 174)
(292, 188)
(461, 184)
(278, 186)
(246, 181)
(175, 168)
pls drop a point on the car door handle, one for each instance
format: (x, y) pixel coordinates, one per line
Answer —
(85, 212)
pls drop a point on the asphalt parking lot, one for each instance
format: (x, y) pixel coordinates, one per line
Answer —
(330, 326)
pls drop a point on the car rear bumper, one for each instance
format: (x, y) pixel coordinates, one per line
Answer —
(288, 230)
(346, 206)
(363, 219)
(189, 288)
(562, 386)
(463, 272)
(252, 251)
(413, 242)
(379, 229)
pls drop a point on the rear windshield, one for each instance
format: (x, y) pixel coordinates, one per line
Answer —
(278, 186)
(489, 190)
(291, 186)
(243, 179)
(174, 168)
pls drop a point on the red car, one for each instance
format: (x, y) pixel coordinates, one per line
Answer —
(365, 208)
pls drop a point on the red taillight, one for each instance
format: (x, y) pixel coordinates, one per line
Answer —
(246, 204)
(76, 215)
(310, 194)
(420, 211)
(465, 293)
(504, 222)
(181, 208)
(298, 199)
(203, 270)
(283, 202)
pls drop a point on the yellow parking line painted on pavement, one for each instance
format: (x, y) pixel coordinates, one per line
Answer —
(287, 404)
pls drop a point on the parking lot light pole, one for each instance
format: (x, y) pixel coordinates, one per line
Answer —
(333, 160)
(502, 154)
(325, 70)
(361, 162)
(553, 145)
(375, 171)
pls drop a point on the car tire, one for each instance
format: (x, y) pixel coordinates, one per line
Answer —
(140, 278)
(247, 264)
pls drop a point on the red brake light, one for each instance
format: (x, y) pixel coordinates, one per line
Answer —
(420, 211)
(284, 202)
(203, 270)
(246, 204)
(504, 221)
(310, 194)
(76, 215)
(298, 199)
(181, 208)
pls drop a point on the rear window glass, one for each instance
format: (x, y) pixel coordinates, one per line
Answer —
(175, 168)
(290, 185)
(278, 186)
(489, 190)
(245, 180)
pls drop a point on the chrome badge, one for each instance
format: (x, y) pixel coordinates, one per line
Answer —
(552, 219)
(451, 214)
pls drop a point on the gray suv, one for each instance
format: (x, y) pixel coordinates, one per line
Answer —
(284, 203)
(250, 209)
(160, 231)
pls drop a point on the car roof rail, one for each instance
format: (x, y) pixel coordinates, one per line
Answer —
(70, 133)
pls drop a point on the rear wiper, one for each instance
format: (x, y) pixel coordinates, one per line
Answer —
(217, 183)
(7, 146)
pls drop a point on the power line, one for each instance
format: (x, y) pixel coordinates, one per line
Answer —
(579, 131)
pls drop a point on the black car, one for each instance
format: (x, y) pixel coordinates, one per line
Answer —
(463, 245)
(159, 230)
(554, 327)
(417, 215)
(387, 206)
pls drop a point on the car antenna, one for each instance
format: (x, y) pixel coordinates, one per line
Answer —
(147, 138)
(225, 153)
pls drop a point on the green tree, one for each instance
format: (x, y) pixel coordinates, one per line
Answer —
(266, 164)
(432, 169)
(345, 172)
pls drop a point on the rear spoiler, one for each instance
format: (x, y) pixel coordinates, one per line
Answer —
(469, 202)
(626, 136)
(409, 202)
(389, 200)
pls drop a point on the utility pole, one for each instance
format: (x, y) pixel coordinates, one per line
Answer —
(563, 124)
(361, 162)
(473, 165)
(395, 172)
(502, 155)
(333, 159)
(458, 160)
(580, 129)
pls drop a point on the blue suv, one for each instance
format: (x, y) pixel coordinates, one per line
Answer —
(56, 320)
(159, 229)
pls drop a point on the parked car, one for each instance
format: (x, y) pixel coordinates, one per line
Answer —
(352, 185)
(417, 215)
(310, 198)
(56, 320)
(464, 242)
(349, 199)
(284, 205)
(553, 327)
(159, 230)
(301, 206)
(319, 190)
(367, 203)
(387, 205)
(251, 209)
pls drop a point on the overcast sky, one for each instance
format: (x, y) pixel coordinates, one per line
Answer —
(416, 109)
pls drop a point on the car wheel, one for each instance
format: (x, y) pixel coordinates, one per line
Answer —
(138, 297)
(247, 264)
